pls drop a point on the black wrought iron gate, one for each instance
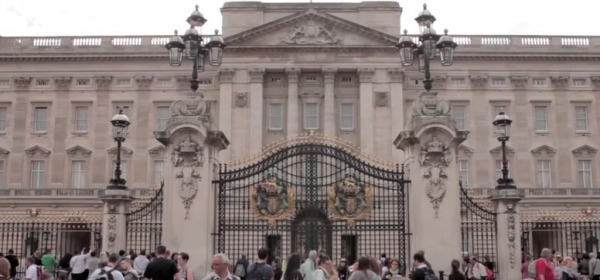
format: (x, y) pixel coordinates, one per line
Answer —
(478, 228)
(144, 225)
(312, 195)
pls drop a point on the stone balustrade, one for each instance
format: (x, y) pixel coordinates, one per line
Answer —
(539, 192)
(144, 44)
(68, 193)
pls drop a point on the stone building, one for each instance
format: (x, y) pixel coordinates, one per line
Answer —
(292, 69)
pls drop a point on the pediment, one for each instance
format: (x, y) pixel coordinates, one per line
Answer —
(4, 152)
(497, 152)
(585, 151)
(311, 28)
(78, 150)
(124, 151)
(37, 150)
(464, 151)
(544, 150)
(158, 150)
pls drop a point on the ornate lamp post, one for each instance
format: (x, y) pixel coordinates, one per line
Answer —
(194, 47)
(120, 123)
(429, 45)
(502, 124)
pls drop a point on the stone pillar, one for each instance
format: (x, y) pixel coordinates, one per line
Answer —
(431, 137)
(397, 107)
(114, 229)
(189, 198)
(329, 120)
(508, 235)
(367, 112)
(293, 123)
(225, 107)
(255, 137)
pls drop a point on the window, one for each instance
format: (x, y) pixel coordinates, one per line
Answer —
(164, 82)
(2, 120)
(311, 116)
(4, 83)
(275, 116)
(81, 119)
(162, 116)
(346, 79)
(463, 172)
(159, 172)
(579, 82)
(458, 114)
(584, 168)
(40, 118)
(123, 169)
(347, 116)
(543, 174)
(538, 81)
(541, 118)
(498, 81)
(78, 174)
(37, 174)
(2, 174)
(581, 118)
(458, 81)
(497, 109)
(125, 109)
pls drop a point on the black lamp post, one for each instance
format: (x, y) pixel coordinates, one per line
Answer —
(502, 130)
(430, 43)
(120, 123)
(193, 47)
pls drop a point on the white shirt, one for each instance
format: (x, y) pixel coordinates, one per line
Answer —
(117, 275)
(78, 263)
(140, 263)
(31, 272)
(477, 272)
(214, 276)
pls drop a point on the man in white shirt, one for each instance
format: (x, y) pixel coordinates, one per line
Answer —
(220, 265)
(141, 262)
(79, 269)
(110, 268)
(32, 269)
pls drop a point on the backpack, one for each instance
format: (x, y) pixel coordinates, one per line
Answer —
(430, 275)
(532, 269)
(41, 274)
(240, 271)
(255, 273)
(490, 273)
(106, 275)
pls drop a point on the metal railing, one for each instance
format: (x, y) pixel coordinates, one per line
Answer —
(538, 192)
(68, 193)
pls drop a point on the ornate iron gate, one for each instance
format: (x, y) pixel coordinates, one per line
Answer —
(569, 238)
(478, 228)
(144, 225)
(312, 194)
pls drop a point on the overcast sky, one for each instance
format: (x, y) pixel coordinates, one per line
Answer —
(160, 17)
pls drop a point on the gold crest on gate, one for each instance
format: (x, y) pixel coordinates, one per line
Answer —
(271, 201)
(350, 200)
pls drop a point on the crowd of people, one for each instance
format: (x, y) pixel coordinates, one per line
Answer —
(552, 266)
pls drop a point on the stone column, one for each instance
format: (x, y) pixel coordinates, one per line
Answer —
(255, 135)
(397, 107)
(225, 107)
(189, 198)
(508, 235)
(367, 113)
(432, 139)
(114, 229)
(293, 123)
(329, 120)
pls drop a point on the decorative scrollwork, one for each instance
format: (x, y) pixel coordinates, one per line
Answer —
(512, 235)
(271, 201)
(187, 155)
(435, 156)
(350, 201)
(429, 105)
(310, 33)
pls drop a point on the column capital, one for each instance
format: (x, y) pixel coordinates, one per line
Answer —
(292, 74)
(256, 75)
(366, 74)
(226, 75)
(396, 75)
(329, 74)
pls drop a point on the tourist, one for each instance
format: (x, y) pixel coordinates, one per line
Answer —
(260, 270)
(241, 267)
(141, 262)
(220, 271)
(394, 269)
(567, 272)
(584, 267)
(543, 266)
(342, 269)
(376, 268)
(476, 270)
(363, 270)
(594, 267)
(32, 269)
(525, 268)
(78, 265)
(421, 268)
(126, 267)
(323, 264)
(93, 262)
(110, 268)
(162, 268)
(64, 267)
(455, 274)
(14, 262)
(4, 269)
(308, 267)
(292, 270)
(182, 260)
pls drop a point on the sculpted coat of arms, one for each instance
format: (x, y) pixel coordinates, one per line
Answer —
(435, 157)
(272, 201)
(310, 33)
(350, 200)
(186, 157)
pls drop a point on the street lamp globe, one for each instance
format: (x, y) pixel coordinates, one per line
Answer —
(425, 19)
(191, 38)
(120, 123)
(429, 39)
(215, 49)
(502, 124)
(196, 19)
(175, 48)
(446, 45)
(406, 48)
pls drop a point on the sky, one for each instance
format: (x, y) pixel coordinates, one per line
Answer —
(153, 17)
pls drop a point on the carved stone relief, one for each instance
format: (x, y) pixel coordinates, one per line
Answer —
(350, 200)
(62, 82)
(186, 157)
(103, 82)
(144, 82)
(191, 108)
(22, 82)
(241, 99)
(256, 75)
(429, 105)
(519, 82)
(478, 81)
(435, 157)
(226, 75)
(272, 201)
(292, 74)
(512, 235)
(439, 81)
(329, 75)
(595, 81)
(112, 231)
(381, 99)
(366, 75)
(396, 75)
(560, 82)
(311, 33)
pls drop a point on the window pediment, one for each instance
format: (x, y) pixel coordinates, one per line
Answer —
(37, 150)
(464, 151)
(158, 151)
(585, 151)
(4, 152)
(124, 151)
(497, 152)
(78, 150)
(544, 151)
